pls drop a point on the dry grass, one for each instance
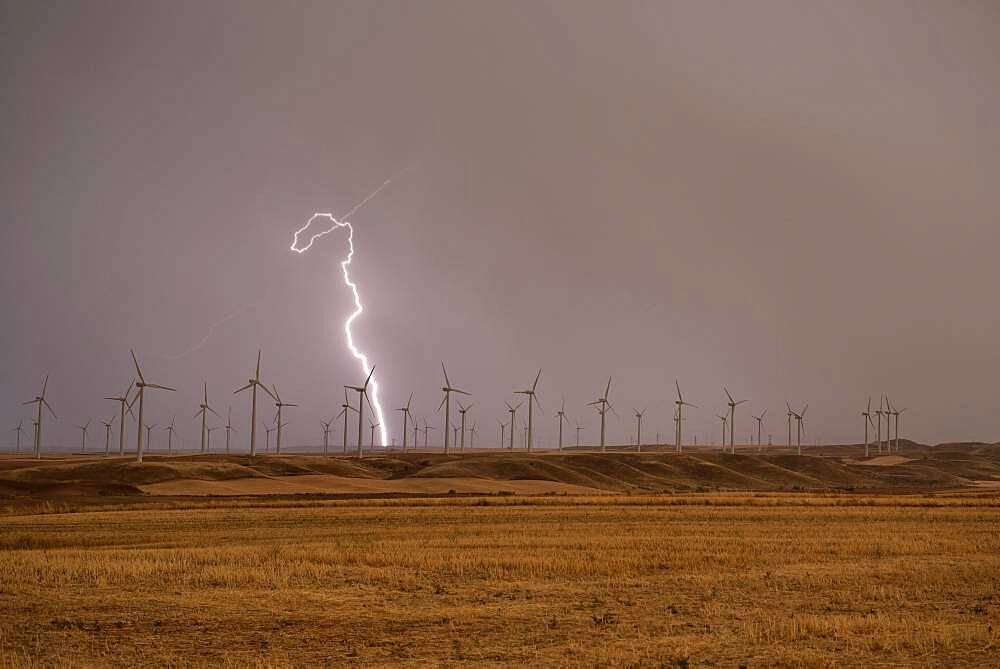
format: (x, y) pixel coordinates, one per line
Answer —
(759, 580)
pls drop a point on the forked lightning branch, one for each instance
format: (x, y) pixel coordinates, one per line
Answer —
(301, 247)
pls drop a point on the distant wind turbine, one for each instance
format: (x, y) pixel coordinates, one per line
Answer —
(39, 401)
(760, 423)
(141, 386)
(561, 416)
(513, 416)
(252, 385)
(462, 410)
(107, 435)
(229, 426)
(406, 417)
(19, 429)
(532, 400)
(732, 420)
(279, 405)
(800, 429)
(867, 414)
(446, 403)
(170, 435)
(83, 434)
(638, 429)
(602, 404)
(125, 406)
(724, 420)
(203, 412)
(362, 397)
(680, 415)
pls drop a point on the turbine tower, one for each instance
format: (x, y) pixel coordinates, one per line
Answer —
(362, 397)
(561, 416)
(210, 430)
(203, 412)
(789, 415)
(406, 417)
(579, 429)
(39, 401)
(326, 435)
(732, 420)
(252, 385)
(532, 400)
(125, 406)
(427, 429)
(446, 403)
(679, 417)
(503, 432)
(602, 405)
(267, 443)
(373, 426)
(279, 404)
(140, 394)
(149, 429)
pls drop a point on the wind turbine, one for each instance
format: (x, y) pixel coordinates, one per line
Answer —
(446, 403)
(800, 429)
(406, 418)
(373, 426)
(867, 413)
(724, 420)
(732, 420)
(280, 405)
(561, 415)
(267, 443)
(18, 429)
(789, 415)
(345, 410)
(125, 406)
(895, 413)
(141, 386)
(107, 434)
(532, 400)
(210, 431)
(454, 429)
(362, 397)
(513, 415)
(326, 435)
(170, 435)
(760, 423)
(878, 413)
(203, 412)
(602, 404)
(149, 428)
(83, 434)
(229, 427)
(638, 429)
(503, 432)
(252, 385)
(462, 409)
(39, 401)
(680, 415)
(579, 429)
(472, 436)
(427, 428)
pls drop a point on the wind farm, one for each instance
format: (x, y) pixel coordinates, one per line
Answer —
(299, 260)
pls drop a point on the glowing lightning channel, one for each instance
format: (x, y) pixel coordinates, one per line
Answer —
(365, 367)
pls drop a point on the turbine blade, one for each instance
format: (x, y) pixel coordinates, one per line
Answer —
(446, 381)
(443, 400)
(240, 390)
(137, 370)
(47, 406)
(728, 395)
(156, 385)
(535, 384)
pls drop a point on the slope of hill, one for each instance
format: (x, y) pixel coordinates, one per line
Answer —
(917, 468)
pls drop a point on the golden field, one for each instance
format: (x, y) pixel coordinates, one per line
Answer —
(673, 580)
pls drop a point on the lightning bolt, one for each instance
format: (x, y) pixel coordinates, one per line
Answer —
(299, 248)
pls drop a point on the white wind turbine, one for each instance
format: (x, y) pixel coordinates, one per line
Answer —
(446, 403)
(83, 434)
(279, 405)
(19, 429)
(462, 410)
(868, 421)
(141, 386)
(229, 426)
(602, 404)
(170, 429)
(679, 417)
(362, 398)
(203, 412)
(513, 415)
(107, 435)
(760, 424)
(39, 401)
(732, 420)
(124, 403)
(252, 385)
(724, 419)
(800, 429)
(532, 400)
(561, 415)
(406, 417)
(638, 428)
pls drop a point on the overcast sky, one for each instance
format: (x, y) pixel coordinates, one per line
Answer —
(794, 199)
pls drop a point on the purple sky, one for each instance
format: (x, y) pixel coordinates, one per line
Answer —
(796, 200)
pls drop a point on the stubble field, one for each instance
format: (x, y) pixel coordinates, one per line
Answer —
(756, 580)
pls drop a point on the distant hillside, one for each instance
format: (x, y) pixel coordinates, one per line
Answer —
(916, 467)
